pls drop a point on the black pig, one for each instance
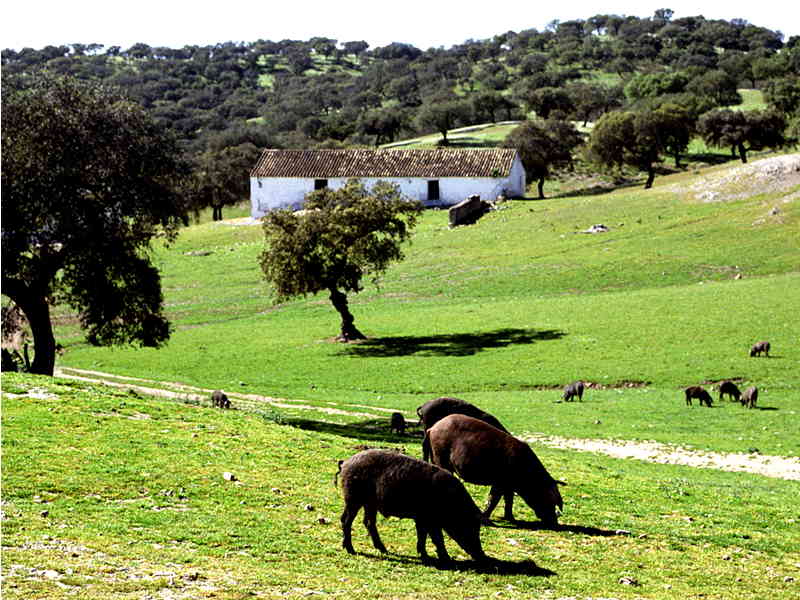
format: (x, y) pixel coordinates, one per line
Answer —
(696, 391)
(220, 399)
(572, 390)
(729, 388)
(400, 486)
(434, 411)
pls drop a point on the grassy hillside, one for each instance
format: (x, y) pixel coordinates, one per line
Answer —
(110, 495)
(505, 312)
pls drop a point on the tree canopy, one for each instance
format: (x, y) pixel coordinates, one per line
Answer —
(88, 180)
(544, 146)
(342, 236)
(637, 139)
(743, 131)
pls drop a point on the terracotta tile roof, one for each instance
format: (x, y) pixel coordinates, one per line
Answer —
(439, 162)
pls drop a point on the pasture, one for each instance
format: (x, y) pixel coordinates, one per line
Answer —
(113, 494)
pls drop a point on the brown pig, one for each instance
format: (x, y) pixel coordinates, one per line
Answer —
(484, 455)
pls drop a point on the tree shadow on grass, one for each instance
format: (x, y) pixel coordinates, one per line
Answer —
(451, 344)
(371, 430)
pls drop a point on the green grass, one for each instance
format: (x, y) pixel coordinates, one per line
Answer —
(107, 494)
(505, 312)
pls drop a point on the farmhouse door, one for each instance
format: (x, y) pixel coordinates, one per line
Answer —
(433, 190)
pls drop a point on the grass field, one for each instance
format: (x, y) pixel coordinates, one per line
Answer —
(110, 494)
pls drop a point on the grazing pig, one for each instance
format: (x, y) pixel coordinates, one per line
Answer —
(758, 348)
(572, 390)
(696, 391)
(408, 488)
(397, 423)
(219, 399)
(434, 411)
(729, 388)
(484, 455)
(750, 397)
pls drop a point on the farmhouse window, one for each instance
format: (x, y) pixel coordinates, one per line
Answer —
(320, 184)
(433, 189)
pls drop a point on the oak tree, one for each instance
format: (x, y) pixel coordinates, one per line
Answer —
(628, 138)
(342, 236)
(88, 181)
(743, 131)
(543, 147)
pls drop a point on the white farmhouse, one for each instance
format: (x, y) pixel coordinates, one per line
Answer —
(436, 177)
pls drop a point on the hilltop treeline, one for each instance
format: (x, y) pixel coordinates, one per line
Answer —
(329, 93)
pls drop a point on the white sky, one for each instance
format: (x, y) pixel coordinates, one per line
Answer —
(423, 23)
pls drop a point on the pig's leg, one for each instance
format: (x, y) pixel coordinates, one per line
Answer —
(348, 515)
(422, 537)
(370, 518)
(438, 542)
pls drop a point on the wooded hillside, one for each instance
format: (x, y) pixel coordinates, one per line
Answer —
(227, 101)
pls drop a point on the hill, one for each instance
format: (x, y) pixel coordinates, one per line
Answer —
(506, 312)
(322, 91)
(111, 495)
(110, 492)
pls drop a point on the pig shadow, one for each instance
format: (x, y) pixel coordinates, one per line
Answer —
(539, 525)
(492, 566)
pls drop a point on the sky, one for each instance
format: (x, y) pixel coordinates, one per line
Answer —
(422, 23)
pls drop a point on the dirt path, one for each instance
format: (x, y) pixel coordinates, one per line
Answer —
(770, 466)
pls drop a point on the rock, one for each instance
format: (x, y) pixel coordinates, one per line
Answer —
(309, 507)
(467, 211)
(229, 476)
(599, 228)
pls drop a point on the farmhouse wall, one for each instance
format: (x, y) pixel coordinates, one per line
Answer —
(271, 193)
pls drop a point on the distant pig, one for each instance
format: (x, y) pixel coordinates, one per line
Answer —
(572, 390)
(698, 392)
(729, 388)
(750, 397)
(484, 455)
(220, 399)
(397, 423)
(434, 411)
(400, 486)
(758, 348)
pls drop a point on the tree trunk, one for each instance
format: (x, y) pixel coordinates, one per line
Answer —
(541, 188)
(349, 331)
(677, 160)
(37, 311)
(742, 152)
(651, 175)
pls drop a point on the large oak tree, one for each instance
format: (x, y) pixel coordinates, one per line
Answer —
(342, 236)
(88, 181)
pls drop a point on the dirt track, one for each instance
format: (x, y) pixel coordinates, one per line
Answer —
(770, 466)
